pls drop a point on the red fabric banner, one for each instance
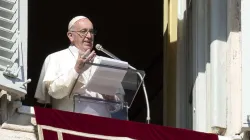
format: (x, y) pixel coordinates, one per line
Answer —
(109, 127)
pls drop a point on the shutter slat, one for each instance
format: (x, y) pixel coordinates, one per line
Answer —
(5, 61)
(6, 13)
(6, 23)
(6, 33)
(11, 1)
(8, 53)
(7, 4)
(7, 43)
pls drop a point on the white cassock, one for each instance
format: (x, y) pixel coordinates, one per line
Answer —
(57, 79)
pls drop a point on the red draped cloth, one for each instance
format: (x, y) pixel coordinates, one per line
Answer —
(109, 127)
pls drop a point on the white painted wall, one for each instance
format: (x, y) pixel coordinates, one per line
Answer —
(233, 68)
(245, 48)
(218, 50)
(215, 66)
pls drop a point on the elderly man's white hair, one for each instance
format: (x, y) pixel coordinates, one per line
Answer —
(74, 20)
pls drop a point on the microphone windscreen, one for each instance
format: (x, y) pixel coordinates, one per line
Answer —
(98, 47)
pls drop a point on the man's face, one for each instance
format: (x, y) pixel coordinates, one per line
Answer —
(82, 34)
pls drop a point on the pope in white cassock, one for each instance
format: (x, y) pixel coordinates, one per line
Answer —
(65, 72)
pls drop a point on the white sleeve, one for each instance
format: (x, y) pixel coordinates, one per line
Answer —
(59, 84)
(41, 93)
(63, 85)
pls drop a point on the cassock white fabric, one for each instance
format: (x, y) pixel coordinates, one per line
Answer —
(57, 79)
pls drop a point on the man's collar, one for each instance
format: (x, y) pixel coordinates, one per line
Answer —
(74, 50)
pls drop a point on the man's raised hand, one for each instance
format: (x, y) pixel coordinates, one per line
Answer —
(82, 59)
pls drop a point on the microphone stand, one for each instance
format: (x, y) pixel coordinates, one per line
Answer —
(143, 84)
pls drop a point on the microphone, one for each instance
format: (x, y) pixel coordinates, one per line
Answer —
(100, 48)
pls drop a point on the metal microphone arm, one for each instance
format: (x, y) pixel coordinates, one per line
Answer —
(145, 94)
(109, 54)
(100, 48)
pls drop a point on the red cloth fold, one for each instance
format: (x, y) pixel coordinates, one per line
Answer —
(110, 127)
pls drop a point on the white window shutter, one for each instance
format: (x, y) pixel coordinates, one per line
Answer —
(13, 46)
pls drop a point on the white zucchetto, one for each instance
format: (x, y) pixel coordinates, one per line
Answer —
(74, 20)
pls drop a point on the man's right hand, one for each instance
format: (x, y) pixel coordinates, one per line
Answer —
(82, 59)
